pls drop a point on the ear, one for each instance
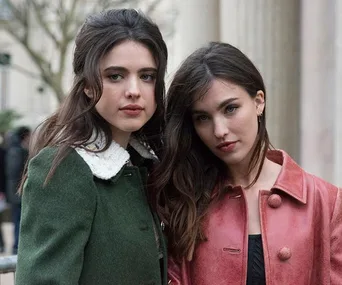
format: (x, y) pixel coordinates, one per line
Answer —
(259, 100)
(88, 92)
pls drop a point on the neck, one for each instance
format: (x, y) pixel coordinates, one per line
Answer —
(240, 175)
(122, 138)
(268, 175)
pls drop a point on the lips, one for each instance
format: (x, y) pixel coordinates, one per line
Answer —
(132, 110)
(226, 146)
(132, 107)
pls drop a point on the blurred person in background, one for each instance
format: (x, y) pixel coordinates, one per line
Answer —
(16, 157)
(2, 190)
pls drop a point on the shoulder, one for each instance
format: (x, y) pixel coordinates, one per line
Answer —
(70, 182)
(320, 183)
(300, 184)
(48, 154)
(324, 190)
(324, 196)
(72, 165)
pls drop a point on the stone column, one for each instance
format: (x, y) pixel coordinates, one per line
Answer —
(321, 87)
(196, 24)
(338, 97)
(267, 31)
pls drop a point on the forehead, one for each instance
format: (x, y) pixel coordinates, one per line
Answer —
(129, 54)
(219, 91)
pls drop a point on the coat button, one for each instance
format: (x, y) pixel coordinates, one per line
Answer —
(143, 226)
(284, 253)
(274, 201)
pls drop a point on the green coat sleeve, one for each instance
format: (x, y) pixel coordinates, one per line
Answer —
(56, 221)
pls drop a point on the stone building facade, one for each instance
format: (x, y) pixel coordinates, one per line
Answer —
(296, 44)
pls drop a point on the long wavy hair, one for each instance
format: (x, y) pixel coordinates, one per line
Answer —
(77, 119)
(188, 172)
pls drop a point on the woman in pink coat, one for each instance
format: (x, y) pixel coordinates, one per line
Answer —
(237, 211)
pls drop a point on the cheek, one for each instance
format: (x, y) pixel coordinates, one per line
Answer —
(106, 104)
(151, 104)
(247, 120)
(203, 133)
(147, 89)
(150, 99)
(101, 104)
(111, 96)
(246, 126)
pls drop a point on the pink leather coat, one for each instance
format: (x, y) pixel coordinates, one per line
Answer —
(301, 227)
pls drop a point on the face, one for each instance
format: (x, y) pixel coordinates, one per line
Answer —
(226, 120)
(128, 73)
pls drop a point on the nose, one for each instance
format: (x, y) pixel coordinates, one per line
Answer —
(220, 129)
(132, 88)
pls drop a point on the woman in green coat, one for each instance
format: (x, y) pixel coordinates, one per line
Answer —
(85, 215)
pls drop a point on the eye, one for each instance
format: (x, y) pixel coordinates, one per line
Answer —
(230, 109)
(148, 77)
(115, 77)
(201, 118)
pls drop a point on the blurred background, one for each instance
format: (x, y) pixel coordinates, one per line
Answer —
(296, 44)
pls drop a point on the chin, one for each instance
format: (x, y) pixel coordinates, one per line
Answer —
(232, 159)
(232, 162)
(132, 129)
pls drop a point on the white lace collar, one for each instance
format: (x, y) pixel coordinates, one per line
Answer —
(108, 163)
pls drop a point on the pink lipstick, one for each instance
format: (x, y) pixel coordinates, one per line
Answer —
(226, 146)
(132, 109)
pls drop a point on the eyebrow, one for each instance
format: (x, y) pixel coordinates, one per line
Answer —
(220, 106)
(124, 69)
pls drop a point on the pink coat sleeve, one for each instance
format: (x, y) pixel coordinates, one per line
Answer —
(336, 242)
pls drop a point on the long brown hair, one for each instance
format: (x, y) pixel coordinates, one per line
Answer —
(76, 120)
(188, 171)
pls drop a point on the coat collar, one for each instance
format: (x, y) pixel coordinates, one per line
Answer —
(106, 164)
(291, 176)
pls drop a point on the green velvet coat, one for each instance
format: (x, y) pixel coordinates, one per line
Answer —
(81, 229)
